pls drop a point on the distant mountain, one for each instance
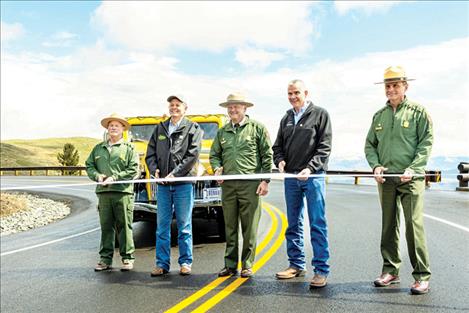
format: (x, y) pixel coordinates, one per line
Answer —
(446, 164)
(41, 152)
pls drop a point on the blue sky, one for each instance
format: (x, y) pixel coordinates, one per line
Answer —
(94, 58)
(341, 36)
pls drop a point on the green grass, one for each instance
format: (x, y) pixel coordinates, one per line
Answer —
(41, 152)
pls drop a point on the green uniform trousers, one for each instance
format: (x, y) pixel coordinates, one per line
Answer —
(116, 214)
(394, 195)
(241, 203)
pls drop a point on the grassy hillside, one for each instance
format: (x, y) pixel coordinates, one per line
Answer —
(42, 152)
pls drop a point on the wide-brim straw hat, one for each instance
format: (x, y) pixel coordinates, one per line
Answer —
(115, 117)
(394, 74)
(236, 98)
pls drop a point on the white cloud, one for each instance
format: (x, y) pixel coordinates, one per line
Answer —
(208, 26)
(47, 96)
(60, 39)
(11, 31)
(367, 7)
(257, 58)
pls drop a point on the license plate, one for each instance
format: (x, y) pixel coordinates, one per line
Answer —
(212, 194)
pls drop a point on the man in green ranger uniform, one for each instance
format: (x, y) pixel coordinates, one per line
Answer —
(241, 147)
(114, 160)
(399, 142)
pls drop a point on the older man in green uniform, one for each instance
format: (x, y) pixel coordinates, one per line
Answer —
(399, 142)
(114, 160)
(241, 147)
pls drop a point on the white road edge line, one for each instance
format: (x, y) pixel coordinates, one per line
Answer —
(446, 222)
(97, 228)
(50, 242)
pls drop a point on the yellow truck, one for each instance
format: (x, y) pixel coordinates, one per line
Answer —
(207, 194)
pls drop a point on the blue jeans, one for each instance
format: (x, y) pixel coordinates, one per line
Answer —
(180, 200)
(295, 192)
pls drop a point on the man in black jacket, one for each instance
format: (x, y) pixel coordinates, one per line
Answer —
(173, 151)
(302, 147)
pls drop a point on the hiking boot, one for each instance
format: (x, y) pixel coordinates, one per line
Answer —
(226, 271)
(158, 271)
(386, 279)
(185, 270)
(318, 281)
(420, 287)
(101, 266)
(127, 265)
(246, 272)
(290, 272)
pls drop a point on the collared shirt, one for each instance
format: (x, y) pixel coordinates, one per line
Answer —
(109, 144)
(298, 115)
(172, 127)
(243, 121)
(244, 152)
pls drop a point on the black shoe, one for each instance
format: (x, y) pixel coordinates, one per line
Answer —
(226, 271)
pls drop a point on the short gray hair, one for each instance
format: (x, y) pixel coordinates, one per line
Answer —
(297, 82)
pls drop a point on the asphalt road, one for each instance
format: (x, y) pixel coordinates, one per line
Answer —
(59, 276)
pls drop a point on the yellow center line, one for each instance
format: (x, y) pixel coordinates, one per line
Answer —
(210, 303)
(212, 285)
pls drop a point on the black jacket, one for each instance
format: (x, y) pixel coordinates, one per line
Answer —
(306, 144)
(176, 154)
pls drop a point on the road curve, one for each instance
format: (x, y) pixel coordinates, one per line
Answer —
(50, 269)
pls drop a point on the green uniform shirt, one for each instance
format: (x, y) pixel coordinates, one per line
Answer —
(400, 140)
(243, 151)
(119, 161)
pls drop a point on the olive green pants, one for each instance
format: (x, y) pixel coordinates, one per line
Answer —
(394, 195)
(240, 204)
(116, 214)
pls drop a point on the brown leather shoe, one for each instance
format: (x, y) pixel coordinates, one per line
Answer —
(185, 270)
(246, 272)
(101, 266)
(420, 287)
(386, 279)
(226, 271)
(318, 281)
(290, 273)
(127, 265)
(158, 271)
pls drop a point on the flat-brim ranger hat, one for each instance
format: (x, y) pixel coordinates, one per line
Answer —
(236, 98)
(115, 117)
(394, 74)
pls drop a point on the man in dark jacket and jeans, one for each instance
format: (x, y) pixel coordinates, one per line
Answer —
(173, 151)
(302, 147)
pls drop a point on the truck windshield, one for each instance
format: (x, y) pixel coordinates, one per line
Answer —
(141, 132)
(210, 130)
(144, 132)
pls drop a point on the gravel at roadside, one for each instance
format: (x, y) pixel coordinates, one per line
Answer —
(41, 212)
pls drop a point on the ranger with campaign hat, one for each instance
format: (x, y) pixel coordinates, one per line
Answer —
(114, 160)
(242, 146)
(399, 141)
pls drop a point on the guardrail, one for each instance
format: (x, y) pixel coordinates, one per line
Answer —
(66, 170)
(463, 176)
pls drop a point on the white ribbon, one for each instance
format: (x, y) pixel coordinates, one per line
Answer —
(205, 178)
